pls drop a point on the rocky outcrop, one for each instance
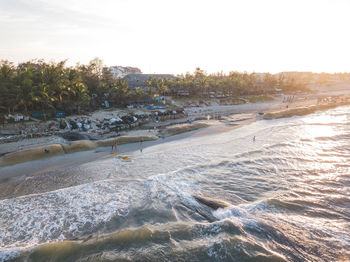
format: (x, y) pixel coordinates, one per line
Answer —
(70, 128)
(75, 136)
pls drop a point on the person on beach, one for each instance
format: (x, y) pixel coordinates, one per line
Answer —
(115, 147)
(141, 142)
(254, 139)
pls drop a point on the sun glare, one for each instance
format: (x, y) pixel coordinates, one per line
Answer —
(321, 126)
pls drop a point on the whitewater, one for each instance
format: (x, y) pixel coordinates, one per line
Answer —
(287, 195)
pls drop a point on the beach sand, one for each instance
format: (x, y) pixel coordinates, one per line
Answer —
(215, 118)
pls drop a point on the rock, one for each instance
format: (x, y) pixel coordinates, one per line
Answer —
(62, 124)
(75, 136)
(115, 120)
(114, 128)
(73, 124)
(127, 119)
(51, 124)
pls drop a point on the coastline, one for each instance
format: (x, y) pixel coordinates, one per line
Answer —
(301, 111)
(56, 149)
(79, 158)
(219, 119)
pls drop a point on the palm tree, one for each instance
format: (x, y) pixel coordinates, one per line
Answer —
(161, 87)
(120, 92)
(7, 86)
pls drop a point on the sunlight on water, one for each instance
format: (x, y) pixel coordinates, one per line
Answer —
(286, 191)
(321, 126)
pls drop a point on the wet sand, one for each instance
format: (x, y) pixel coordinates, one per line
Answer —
(230, 117)
(78, 158)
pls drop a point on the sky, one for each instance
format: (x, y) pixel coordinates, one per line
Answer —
(177, 36)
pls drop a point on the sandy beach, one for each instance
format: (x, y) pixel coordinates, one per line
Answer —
(213, 118)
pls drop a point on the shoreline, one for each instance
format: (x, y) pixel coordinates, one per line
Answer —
(65, 162)
(302, 111)
(226, 117)
(53, 150)
(35, 167)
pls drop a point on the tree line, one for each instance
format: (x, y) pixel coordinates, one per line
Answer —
(38, 86)
(41, 86)
(233, 84)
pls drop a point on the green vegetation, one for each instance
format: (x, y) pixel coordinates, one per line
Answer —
(200, 85)
(40, 87)
(37, 86)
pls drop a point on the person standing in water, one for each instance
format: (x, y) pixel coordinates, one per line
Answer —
(254, 139)
(141, 143)
(114, 146)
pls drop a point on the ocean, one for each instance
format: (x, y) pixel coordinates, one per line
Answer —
(286, 198)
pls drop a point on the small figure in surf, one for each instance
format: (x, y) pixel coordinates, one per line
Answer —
(115, 147)
(254, 139)
(141, 143)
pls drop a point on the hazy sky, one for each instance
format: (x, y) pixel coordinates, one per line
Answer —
(177, 36)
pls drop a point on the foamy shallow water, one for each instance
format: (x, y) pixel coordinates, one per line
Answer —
(289, 192)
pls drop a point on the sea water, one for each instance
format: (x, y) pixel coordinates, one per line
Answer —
(288, 195)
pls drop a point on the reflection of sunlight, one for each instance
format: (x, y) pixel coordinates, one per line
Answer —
(321, 125)
(325, 118)
(314, 131)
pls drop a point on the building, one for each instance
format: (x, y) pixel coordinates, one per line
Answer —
(140, 80)
(122, 71)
